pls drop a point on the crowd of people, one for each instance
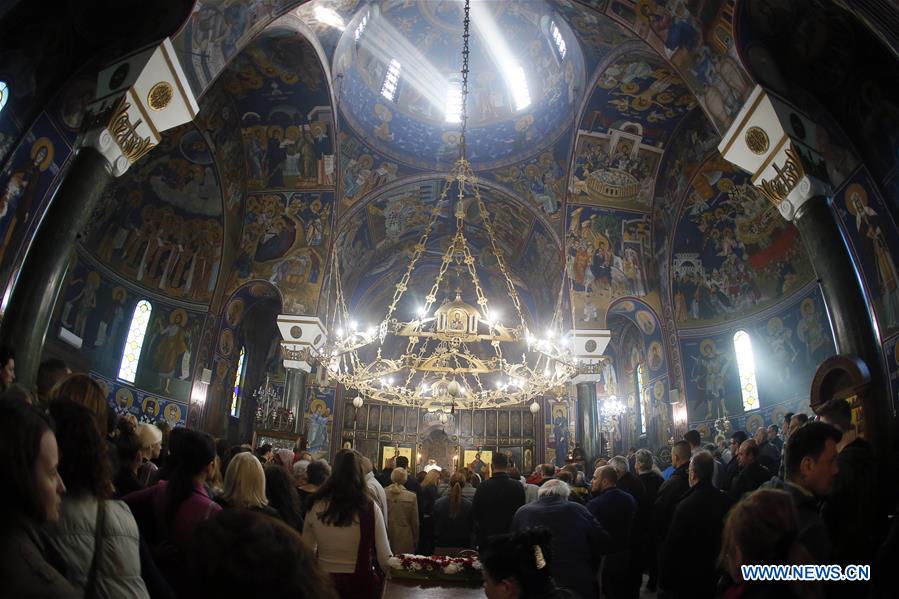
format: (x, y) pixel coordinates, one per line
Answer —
(98, 505)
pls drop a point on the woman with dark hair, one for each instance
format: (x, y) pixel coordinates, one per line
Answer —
(453, 526)
(240, 553)
(518, 566)
(282, 496)
(169, 512)
(344, 525)
(97, 536)
(31, 496)
(317, 473)
(762, 529)
(84, 390)
(128, 454)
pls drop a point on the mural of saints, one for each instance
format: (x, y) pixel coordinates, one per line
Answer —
(560, 435)
(709, 373)
(874, 248)
(317, 427)
(173, 344)
(812, 333)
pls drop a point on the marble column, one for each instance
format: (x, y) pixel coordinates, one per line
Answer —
(44, 269)
(587, 430)
(295, 397)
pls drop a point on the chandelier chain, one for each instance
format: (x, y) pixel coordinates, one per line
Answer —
(465, 51)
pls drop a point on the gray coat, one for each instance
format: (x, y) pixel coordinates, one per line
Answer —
(118, 570)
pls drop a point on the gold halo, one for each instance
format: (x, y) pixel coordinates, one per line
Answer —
(165, 411)
(43, 142)
(775, 326)
(316, 403)
(119, 293)
(176, 313)
(124, 398)
(531, 170)
(658, 389)
(855, 190)
(93, 278)
(808, 306)
(707, 344)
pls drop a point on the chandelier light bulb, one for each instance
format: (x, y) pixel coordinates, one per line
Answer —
(357, 402)
(535, 407)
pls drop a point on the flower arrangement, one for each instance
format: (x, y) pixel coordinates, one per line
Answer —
(435, 567)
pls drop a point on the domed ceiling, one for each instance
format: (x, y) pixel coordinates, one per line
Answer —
(397, 73)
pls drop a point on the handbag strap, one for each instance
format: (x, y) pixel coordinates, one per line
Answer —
(90, 589)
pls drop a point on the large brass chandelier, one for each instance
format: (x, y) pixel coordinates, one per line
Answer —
(458, 355)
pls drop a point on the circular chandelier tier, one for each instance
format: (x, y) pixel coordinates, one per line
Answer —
(458, 355)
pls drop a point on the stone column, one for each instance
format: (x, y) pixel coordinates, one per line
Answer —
(587, 430)
(137, 98)
(775, 142)
(295, 397)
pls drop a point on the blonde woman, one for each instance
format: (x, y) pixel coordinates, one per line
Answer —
(245, 485)
(150, 445)
(402, 514)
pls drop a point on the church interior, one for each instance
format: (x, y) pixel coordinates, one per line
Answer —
(555, 231)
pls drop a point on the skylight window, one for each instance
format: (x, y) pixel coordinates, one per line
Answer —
(388, 89)
(519, 84)
(453, 110)
(360, 27)
(557, 38)
(329, 16)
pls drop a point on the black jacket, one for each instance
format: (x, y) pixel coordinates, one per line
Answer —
(748, 480)
(690, 552)
(495, 503)
(670, 493)
(813, 533)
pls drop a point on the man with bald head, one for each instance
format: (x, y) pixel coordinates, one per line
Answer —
(615, 511)
(672, 489)
(690, 551)
(752, 475)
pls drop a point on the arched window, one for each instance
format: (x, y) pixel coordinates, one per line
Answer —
(238, 382)
(4, 94)
(746, 365)
(136, 333)
(639, 395)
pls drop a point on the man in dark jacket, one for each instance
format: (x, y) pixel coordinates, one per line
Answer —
(633, 486)
(578, 540)
(810, 463)
(752, 474)
(672, 489)
(769, 457)
(615, 511)
(496, 501)
(690, 551)
(733, 466)
(651, 480)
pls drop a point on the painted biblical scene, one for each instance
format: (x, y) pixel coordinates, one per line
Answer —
(167, 356)
(874, 240)
(285, 241)
(319, 420)
(733, 253)
(160, 224)
(146, 407)
(607, 256)
(285, 115)
(539, 180)
(559, 419)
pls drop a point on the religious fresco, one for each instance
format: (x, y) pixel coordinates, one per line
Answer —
(285, 242)
(542, 256)
(874, 242)
(559, 422)
(598, 34)
(650, 351)
(733, 254)
(411, 126)
(166, 364)
(540, 180)
(146, 407)
(891, 356)
(216, 31)
(285, 112)
(608, 256)
(160, 224)
(638, 88)
(319, 417)
(789, 342)
(25, 183)
(98, 311)
(363, 170)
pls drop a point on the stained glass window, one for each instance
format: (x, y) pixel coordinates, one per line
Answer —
(136, 333)
(4, 94)
(238, 382)
(746, 365)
